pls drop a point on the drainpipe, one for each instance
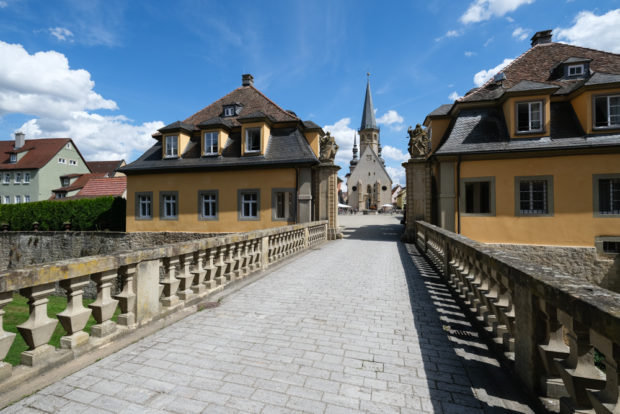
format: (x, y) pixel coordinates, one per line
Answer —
(458, 195)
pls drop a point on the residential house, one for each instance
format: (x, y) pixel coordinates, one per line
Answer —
(242, 163)
(31, 169)
(533, 155)
(401, 198)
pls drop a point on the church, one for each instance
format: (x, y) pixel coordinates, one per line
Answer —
(368, 184)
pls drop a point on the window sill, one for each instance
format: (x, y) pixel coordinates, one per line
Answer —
(249, 219)
(171, 157)
(210, 154)
(202, 218)
(519, 214)
(143, 218)
(606, 215)
(477, 214)
(606, 128)
(527, 134)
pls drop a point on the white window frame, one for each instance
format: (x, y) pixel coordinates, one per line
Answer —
(581, 71)
(26, 178)
(26, 198)
(608, 106)
(73, 163)
(214, 147)
(229, 111)
(18, 178)
(248, 131)
(172, 150)
(68, 146)
(13, 158)
(529, 115)
(18, 199)
(62, 161)
(7, 178)
(7, 199)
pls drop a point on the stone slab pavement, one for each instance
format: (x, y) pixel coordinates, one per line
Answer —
(355, 325)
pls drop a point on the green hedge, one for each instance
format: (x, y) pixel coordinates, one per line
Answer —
(102, 213)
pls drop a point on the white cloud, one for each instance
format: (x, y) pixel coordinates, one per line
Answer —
(44, 86)
(481, 77)
(397, 175)
(481, 10)
(454, 96)
(392, 119)
(449, 33)
(394, 153)
(520, 33)
(597, 32)
(3, 4)
(469, 54)
(344, 138)
(60, 33)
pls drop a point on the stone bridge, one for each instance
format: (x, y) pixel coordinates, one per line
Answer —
(362, 324)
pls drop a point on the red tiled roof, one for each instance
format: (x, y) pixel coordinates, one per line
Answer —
(40, 152)
(98, 187)
(80, 182)
(104, 166)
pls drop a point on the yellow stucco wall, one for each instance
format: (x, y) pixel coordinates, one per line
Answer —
(313, 140)
(189, 183)
(582, 104)
(438, 128)
(264, 135)
(572, 223)
(510, 115)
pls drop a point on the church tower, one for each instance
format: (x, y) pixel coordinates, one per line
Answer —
(369, 133)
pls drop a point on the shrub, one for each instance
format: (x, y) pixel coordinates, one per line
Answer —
(102, 213)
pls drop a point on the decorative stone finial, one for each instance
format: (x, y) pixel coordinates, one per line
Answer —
(328, 148)
(418, 142)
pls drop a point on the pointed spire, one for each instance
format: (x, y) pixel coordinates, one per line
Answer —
(354, 160)
(368, 115)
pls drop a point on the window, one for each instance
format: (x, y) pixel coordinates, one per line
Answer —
(608, 246)
(62, 161)
(65, 181)
(7, 199)
(18, 178)
(534, 196)
(611, 247)
(529, 117)
(13, 158)
(7, 178)
(229, 110)
(68, 146)
(207, 205)
(27, 178)
(606, 195)
(168, 205)
(252, 140)
(283, 204)
(73, 162)
(18, 199)
(144, 206)
(172, 146)
(26, 199)
(61, 194)
(249, 201)
(210, 143)
(478, 196)
(607, 111)
(575, 70)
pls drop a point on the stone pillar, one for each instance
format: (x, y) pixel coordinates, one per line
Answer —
(6, 338)
(147, 291)
(38, 329)
(418, 194)
(304, 195)
(326, 202)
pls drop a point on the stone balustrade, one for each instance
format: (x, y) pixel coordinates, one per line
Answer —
(550, 327)
(155, 283)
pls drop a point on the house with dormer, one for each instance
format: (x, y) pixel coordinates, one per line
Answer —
(241, 163)
(533, 155)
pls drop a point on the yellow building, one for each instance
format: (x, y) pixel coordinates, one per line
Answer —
(240, 164)
(532, 156)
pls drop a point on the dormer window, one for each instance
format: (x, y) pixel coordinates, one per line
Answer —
(13, 158)
(172, 146)
(607, 111)
(65, 182)
(229, 110)
(575, 70)
(210, 143)
(529, 117)
(252, 140)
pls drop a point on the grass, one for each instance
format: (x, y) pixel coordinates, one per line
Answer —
(17, 313)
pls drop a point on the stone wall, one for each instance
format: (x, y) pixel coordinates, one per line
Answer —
(21, 249)
(581, 262)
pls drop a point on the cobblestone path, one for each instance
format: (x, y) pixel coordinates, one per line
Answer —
(356, 325)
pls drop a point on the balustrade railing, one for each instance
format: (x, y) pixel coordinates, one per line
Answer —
(550, 326)
(154, 283)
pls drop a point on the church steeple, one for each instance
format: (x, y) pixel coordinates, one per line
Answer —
(368, 114)
(353, 162)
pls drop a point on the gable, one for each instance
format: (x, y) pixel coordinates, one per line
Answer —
(370, 163)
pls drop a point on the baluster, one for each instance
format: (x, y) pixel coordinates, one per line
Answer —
(228, 274)
(170, 282)
(38, 329)
(606, 401)
(211, 269)
(243, 259)
(220, 265)
(127, 299)
(199, 274)
(6, 338)
(104, 306)
(577, 371)
(185, 278)
(551, 348)
(236, 264)
(257, 259)
(75, 316)
(271, 251)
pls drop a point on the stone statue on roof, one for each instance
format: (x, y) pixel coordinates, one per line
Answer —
(418, 142)
(328, 148)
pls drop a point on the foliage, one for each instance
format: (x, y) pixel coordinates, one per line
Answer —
(101, 213)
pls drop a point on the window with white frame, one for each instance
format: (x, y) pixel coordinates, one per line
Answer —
(252, 140)
(283, 204)
(529, 116)
(575, 70)
(26, 199)
(207, 205)
(61, 194)
(18, 178)
(172, 146)
(62, 161)
(18, 199)
(229, 110)
(7, 199)
(168, 203)
(68, 146)
(27, 178)
(534, 196)
(65, 181)
(7, 178)
(144, 206)
(13, 158)
(248, 204)
(607, 195)
(210, 143)
(73, 162)
(607, 111)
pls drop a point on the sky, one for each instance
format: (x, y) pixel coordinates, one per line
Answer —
(110, 73)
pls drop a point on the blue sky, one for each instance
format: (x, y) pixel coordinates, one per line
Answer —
(109, 73)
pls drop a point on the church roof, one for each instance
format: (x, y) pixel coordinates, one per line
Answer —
(368, 114)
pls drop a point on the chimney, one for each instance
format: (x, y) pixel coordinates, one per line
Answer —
(20, 139)
(247, 80)
(541, 37)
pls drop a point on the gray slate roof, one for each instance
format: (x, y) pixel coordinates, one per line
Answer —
(368, 113)
(526, 85)
(287, 146)
(442, 110)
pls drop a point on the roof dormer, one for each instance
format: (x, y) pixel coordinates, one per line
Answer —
(175, 139)
(233, 109)
(571, 68)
